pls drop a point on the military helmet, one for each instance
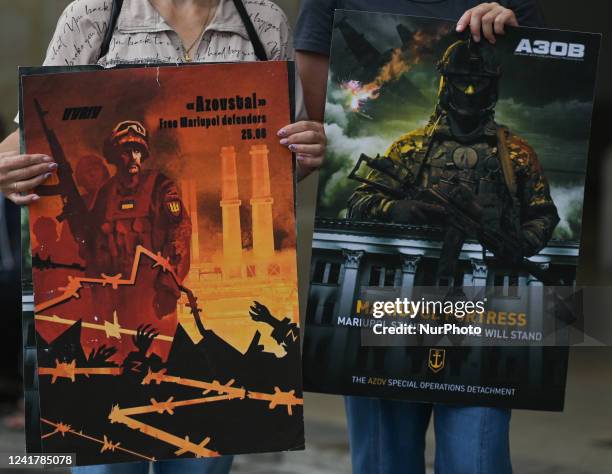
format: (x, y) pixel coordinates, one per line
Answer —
(129, 132)
(470, 75)
(469, 58)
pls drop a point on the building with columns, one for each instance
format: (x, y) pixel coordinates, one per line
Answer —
(350, 258)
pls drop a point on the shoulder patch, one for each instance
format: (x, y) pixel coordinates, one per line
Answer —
(409, 142)
(174, 207)
(521, 154)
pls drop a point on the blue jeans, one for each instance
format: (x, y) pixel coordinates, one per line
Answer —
(220, 465)
(388, 437)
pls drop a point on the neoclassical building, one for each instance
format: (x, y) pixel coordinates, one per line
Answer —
(351, 257)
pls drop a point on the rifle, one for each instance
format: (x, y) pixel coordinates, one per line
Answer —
(463, 211)
(74, 206)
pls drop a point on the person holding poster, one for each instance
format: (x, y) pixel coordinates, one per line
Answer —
(387, 435)
(314, 26)
(163, 31)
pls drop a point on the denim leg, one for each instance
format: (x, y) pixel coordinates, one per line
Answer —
(221, 465)
(387, 436)
(472, 440)
(123, 468)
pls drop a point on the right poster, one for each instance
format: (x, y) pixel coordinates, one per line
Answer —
(449, 212)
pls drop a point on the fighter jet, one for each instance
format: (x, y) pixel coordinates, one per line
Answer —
(370, 61)
(369, 58)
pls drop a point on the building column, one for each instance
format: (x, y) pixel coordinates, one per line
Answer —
(230, 205)
(479, 274)
(535, 313)
(396, 357)
(348, 289)
(352, 259)
(410, 265)
(477, 279)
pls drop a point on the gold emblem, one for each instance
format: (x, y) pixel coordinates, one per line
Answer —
(437, 359)
(175, 208)
(465, 157)
(128, 205)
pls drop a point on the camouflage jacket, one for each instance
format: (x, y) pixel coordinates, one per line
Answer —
(530, 197)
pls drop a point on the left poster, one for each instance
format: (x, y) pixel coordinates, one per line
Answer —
(165, 310)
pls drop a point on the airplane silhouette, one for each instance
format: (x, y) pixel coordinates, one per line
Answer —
(370, 59)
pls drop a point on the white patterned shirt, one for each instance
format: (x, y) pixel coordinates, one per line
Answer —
(142, 36)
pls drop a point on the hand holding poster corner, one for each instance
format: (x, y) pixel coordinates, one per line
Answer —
(452, 166)
(163, 263)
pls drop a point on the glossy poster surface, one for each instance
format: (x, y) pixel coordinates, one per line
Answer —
(454, 173)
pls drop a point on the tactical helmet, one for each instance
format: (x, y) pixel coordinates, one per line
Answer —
(470, 76)
(131, 133)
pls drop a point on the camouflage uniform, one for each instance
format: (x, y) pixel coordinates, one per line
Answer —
(432, 155)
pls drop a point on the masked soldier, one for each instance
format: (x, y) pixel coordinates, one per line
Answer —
(465, 154)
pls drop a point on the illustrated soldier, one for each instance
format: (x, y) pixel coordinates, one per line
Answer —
(135, 207)
(465, 159)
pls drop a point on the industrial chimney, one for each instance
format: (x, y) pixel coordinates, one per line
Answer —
(230, 204)
(261, 204)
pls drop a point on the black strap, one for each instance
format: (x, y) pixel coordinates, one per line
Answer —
(108, 36)
(258, 47)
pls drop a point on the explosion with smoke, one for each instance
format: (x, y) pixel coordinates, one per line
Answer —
(360, 94)
(402, 60)
(391, 71)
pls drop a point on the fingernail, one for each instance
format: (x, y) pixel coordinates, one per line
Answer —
(47, 176)
(284, 141)
(292, 147)
(47, 158)
(53, 166)
(35, 197)
(300, 158)
(459, 26)
(282, 132)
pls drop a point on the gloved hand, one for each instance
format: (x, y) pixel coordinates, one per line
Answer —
(410, 211)
(531, 242)
(525, 243)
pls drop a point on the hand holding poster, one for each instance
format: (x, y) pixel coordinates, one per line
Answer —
(455, 173)
(163, 262)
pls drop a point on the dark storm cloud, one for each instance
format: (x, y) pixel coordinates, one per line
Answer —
(547, 101)
(377, 29)
(528, 79)
(566, 119)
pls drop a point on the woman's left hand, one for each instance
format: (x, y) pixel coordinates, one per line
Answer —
(488, 19)
(308, 141)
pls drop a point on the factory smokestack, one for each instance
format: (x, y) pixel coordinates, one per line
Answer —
(261, 203)
(230, 204)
